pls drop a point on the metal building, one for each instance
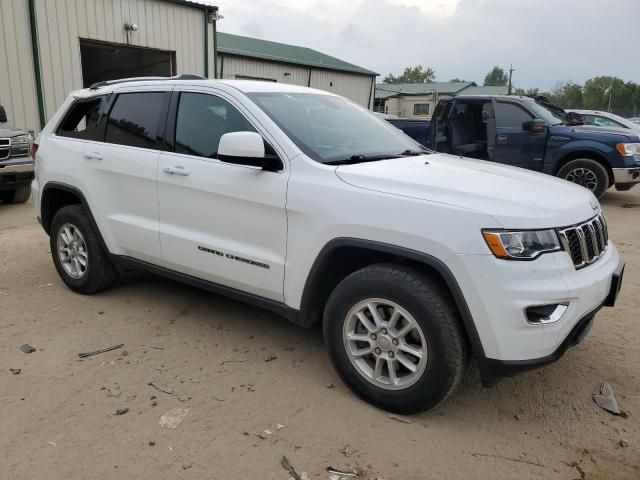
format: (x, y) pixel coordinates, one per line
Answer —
(49, 48)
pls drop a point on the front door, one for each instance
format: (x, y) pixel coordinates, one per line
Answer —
(514, 145)
(220, 222)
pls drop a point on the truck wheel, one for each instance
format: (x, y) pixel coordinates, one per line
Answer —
(393, 336)
(19, 195)
(77, 254)
(586, 173)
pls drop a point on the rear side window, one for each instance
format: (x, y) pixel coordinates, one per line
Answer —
(134, 120)
(510, 115)
(202, 119)
(85, 120)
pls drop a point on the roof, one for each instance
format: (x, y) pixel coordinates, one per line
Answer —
(282, 52)
(203, 4)
(386, 90)
(484, 90)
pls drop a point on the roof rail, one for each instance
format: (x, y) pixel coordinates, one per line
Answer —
(184, 76)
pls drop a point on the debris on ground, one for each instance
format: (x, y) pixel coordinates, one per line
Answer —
(26, 348)
(606, 399)
(399, 418)
(151, 443)
(121, 411)
(270, 358)
(96, 352)
(330, 385)
(337, 474)
(15, 371)
(165, 389)
(268, 432)
(292, 471)
(624, 443)
(53, 444)
(347, 451)
(173, 417)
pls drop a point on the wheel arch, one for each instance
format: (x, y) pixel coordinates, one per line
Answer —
(586, 154)
(342, 256)
(56, 195)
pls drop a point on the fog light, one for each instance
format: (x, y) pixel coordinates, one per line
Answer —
(545, 314)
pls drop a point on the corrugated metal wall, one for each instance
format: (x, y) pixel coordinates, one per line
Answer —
(161, 25)
(351, 85)
(17, 80)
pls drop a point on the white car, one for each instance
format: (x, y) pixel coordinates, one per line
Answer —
(304, 203)
(606, 119)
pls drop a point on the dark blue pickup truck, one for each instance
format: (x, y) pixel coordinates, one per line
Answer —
(534, 134)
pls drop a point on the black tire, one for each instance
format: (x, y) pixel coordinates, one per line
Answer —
(19, 195)
(100, 272)
(432, 308)
(587, 173)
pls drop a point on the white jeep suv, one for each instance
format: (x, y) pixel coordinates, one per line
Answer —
(304, 203)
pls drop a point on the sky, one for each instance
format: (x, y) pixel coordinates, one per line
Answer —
(548, 41)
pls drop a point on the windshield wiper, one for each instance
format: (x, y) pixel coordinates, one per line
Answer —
(353, 159)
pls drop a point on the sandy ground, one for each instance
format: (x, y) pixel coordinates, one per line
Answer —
(57, 416)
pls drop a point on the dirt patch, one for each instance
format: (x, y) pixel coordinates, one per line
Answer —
(204, 356)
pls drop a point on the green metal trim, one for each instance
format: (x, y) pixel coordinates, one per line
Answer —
(186, 3)
(215, 49)
(206, 43)
(36, 62)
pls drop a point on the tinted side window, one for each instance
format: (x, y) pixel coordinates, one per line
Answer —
(202, 119)
(134, 119)
(606, 122)
(510, 115)
(84, 120)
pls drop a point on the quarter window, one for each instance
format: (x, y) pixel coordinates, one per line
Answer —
(134, 120)
(84, 120)
(202, 119)
(421, 109)
(509, 115)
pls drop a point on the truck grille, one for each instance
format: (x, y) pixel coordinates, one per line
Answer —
(5, 148)
(586, 242)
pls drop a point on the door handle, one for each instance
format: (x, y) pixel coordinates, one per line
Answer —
(177, 170)
(93, 156)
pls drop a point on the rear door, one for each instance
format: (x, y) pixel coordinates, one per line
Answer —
(119, 174)
(513, 145)
(220, 222)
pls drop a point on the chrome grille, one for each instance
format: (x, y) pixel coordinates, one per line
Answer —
(585, 243)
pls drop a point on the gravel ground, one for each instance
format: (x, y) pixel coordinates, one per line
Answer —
(240, 371)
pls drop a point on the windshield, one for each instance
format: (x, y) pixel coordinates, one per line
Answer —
(547, 114)
(331, 129)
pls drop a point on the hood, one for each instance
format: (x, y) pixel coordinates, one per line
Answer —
(514, 197)
(6, 132)
(592, 132)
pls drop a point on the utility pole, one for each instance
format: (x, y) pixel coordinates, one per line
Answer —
(511, 70)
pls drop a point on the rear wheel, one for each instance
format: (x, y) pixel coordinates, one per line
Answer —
(19, 195)
(394, 337)
(77, 254)
(587, 173)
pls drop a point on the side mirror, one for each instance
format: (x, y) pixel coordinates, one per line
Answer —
(247, 148)
(534, 126)
(3, 115)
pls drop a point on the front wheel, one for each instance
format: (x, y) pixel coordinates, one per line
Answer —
(19, 195)
(587, 173)
(394, 337)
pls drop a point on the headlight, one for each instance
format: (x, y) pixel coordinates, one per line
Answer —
(521, 245)
(629, 150)
(20, 139)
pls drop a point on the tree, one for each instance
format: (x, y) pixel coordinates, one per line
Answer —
(496, 78)
(457, 80)
(412, 75)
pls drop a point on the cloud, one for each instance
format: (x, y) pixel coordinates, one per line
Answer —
(547, 40)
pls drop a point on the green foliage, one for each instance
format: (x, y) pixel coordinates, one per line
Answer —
(412, 75)
(496, 78)
(454, 80)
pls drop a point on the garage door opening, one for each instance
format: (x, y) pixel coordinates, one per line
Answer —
(111, 61)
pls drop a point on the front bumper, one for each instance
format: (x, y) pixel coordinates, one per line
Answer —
(625, 176)
(15, 174)
(498, 292)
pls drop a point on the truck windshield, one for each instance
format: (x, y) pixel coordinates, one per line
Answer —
(544, 113)
(331, 129)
